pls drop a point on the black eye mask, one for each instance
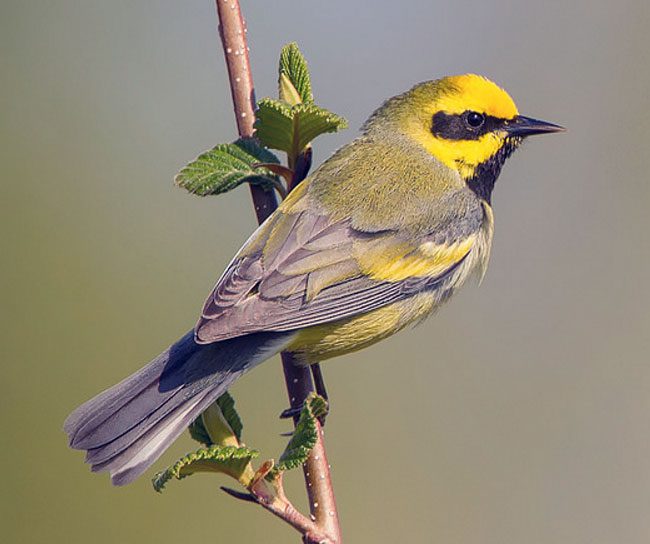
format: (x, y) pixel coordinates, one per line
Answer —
(464, 126)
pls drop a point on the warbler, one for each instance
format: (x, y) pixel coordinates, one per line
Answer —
(376, 239)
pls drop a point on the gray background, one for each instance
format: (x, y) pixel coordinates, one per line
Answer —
(518, 414)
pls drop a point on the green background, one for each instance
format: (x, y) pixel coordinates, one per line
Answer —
(520, 413)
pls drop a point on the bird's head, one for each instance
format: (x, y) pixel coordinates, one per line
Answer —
(467, 122)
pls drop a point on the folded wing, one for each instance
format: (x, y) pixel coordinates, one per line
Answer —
(302, 269)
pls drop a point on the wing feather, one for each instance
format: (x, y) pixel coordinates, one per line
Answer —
(305, 270)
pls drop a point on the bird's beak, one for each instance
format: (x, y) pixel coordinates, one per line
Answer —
(526, 126)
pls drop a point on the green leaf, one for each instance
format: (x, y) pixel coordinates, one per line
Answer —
(227, 405)
(304, 436)
(230, 460)
(294, 67)
(311, 121)
(291, 128)
(226, 166)
(274, 124)
(218, 424)
(287, 91)
(199, 433)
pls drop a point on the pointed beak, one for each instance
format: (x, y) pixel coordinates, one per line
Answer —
(522, 126)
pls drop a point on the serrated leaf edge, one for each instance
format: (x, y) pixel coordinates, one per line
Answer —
(291, 128)
(294, 66)
(304, 437)
(216, 454)
(232, 165)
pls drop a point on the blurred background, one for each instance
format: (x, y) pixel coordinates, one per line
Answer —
(520, 413)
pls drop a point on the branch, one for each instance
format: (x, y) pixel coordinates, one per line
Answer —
(232, 31)
(323, 525)
(272, 497)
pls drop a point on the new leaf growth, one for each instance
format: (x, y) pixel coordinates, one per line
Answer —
(288, 124)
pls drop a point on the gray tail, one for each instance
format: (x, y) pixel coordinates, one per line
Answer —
(127, 427)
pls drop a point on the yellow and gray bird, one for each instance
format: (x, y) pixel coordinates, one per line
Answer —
(376, 239)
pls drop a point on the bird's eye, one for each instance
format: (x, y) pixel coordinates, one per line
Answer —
(475, 119)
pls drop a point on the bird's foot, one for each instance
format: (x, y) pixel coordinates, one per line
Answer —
(294, 412)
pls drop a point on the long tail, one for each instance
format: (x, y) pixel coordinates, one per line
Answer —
(127, 427)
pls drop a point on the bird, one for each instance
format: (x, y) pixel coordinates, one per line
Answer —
(373, 241)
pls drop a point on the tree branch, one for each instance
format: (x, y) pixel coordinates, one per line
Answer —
(232, 30)
(323, 526)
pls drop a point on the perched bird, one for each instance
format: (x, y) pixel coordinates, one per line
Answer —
(379, 236)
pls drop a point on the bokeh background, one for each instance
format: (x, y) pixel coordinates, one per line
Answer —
(520, 413)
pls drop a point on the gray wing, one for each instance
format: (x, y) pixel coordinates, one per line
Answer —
(303, 269)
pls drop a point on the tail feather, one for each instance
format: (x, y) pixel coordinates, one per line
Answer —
(101, 419)
(131, 462)
(126, 428)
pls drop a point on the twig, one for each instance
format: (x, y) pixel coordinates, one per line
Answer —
(271, 496)
(323, 526)
(232, 31)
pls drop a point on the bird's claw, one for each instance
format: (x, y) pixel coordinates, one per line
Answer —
(295, 411)
(291, 412)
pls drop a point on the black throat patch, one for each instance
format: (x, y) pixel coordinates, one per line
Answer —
(486, 173)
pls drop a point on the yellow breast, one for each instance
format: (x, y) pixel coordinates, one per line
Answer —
(321, 342)
(338, 338)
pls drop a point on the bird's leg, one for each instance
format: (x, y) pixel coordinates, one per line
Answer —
(319, 382)
(319, 385)
(295, 412)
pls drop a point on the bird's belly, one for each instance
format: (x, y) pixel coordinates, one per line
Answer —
(329, 340)
(321, 342)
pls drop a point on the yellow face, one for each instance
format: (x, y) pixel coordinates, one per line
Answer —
(461, 120)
